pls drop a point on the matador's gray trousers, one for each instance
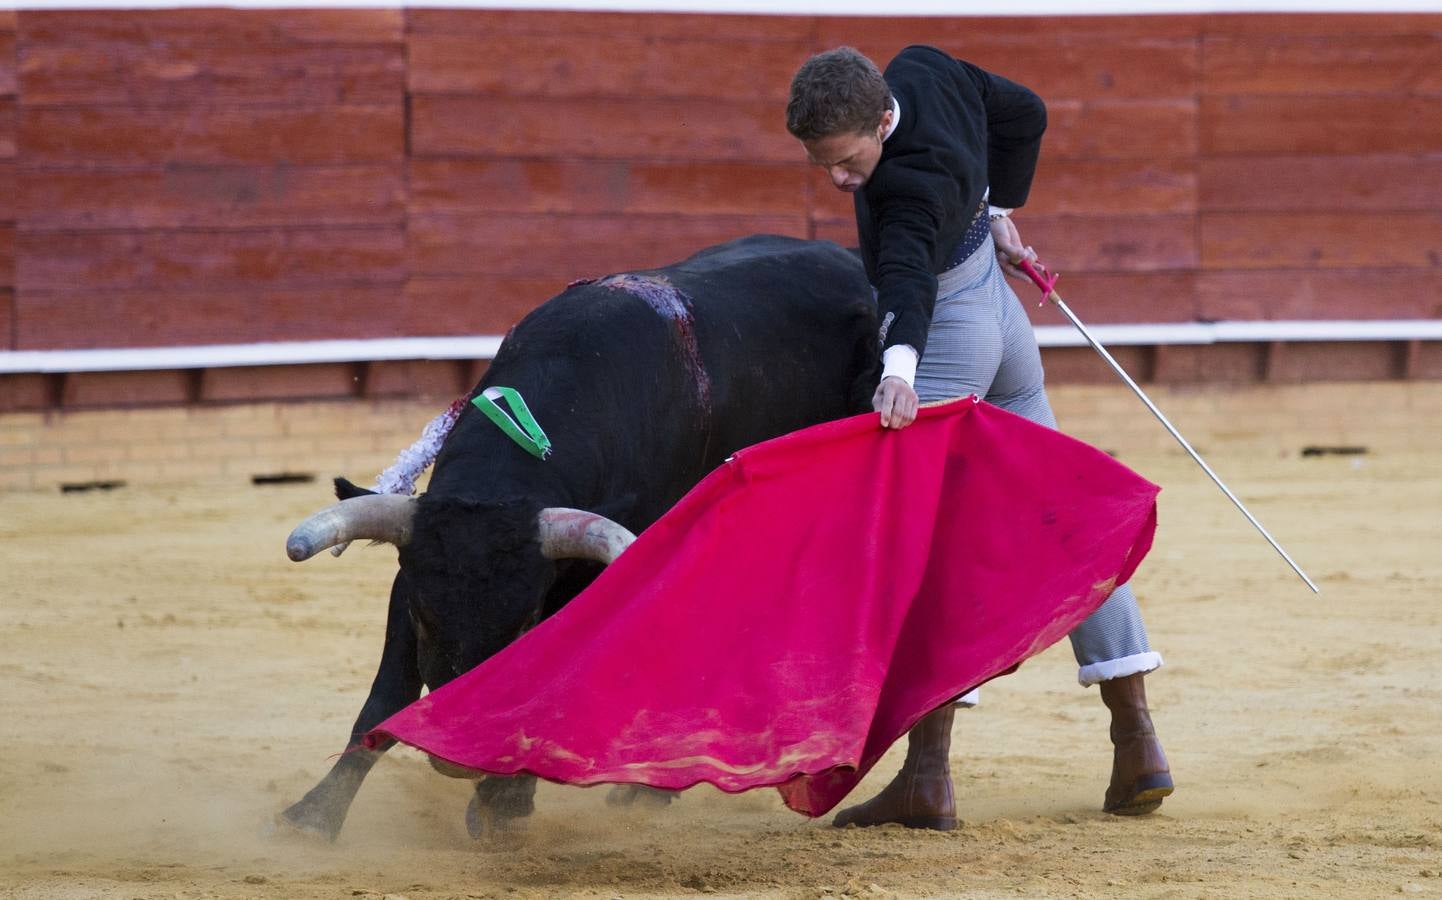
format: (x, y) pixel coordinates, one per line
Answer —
(981, 342)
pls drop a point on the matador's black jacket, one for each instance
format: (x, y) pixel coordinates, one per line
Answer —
(962, 129)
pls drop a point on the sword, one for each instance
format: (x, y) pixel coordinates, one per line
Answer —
(1048, 290)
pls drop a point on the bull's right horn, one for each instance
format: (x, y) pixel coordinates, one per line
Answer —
(376, 517)
(577, 534)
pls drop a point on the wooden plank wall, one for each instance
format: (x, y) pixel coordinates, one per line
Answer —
(209, 176)
(198, 176)
(8, 104)
(1320, 181)
(551, 146)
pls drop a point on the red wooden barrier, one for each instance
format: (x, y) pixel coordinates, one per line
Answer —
(132, 317)
(8, 180)
(574, 245)
(590, 187)
(211, 196)
(208, 175)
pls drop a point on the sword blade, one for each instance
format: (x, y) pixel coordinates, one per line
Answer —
(1096, 345)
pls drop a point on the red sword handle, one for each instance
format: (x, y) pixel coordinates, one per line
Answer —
(1046, 282)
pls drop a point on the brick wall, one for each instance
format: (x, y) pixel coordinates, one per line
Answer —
(229, 445)
(208, 175)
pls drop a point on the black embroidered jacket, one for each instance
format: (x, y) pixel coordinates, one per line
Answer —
(962, 129)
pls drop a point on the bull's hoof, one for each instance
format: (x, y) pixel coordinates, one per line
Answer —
(307, 821)
(500, 805)
(639, 796)
(485, 821)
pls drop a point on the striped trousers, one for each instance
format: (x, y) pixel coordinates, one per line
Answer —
(981, 342)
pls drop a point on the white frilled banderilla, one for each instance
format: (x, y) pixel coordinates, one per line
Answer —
(1048, 290)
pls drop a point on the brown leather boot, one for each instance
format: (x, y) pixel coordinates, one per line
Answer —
(1140, 778)
(920, 795)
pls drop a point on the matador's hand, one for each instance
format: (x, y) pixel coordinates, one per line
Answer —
(896, 401)
(1009, 248)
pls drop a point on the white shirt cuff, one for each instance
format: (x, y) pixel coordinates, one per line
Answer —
(900, 361)
(994, 211)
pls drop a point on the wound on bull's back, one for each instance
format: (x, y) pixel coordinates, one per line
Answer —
(674, 305)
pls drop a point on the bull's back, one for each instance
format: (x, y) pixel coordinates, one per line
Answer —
(787, 329)
(647, 380)
(762, 313)
(770, 280)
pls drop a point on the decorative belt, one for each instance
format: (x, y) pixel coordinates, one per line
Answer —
(975, 236)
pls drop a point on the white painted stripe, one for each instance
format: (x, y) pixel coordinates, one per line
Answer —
(803, 7)
(217, 356)
(1360, 330)
(1125, 335)
(289, 353)
(1163, 334)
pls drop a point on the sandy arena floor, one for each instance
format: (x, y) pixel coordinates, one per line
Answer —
(169, 681)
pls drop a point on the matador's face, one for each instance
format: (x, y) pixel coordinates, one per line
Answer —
(850, 157)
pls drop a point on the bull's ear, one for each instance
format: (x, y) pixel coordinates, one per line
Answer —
(345, 489)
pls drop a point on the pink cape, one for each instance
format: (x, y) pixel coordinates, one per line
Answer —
(802, 607)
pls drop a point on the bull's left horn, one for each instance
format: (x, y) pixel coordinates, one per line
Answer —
(376, 517)
(576, 534)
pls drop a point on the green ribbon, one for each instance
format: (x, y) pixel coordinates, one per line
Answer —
(533, 440)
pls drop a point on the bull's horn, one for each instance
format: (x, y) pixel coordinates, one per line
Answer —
(576, 534)
(376, 517)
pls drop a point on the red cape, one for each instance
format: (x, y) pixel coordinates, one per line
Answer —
(802, 607)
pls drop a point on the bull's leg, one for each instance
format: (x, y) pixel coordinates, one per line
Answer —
(323, 809)
(640, 796)
(499, 801)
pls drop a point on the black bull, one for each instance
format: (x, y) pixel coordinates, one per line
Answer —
(644, 383)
